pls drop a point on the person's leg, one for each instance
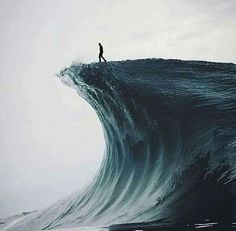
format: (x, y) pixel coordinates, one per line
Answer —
(104, 59)
(99, 58)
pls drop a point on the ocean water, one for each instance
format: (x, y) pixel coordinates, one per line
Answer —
(169, 164)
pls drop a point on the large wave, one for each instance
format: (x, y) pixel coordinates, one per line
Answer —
(170, 131)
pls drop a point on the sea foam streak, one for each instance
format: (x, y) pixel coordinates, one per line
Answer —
(170, 131)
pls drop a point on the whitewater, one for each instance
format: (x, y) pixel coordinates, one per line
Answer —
(170, 132)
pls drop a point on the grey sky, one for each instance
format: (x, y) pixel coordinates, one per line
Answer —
(51, 141)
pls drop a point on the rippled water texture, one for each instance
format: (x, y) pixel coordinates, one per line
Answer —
(170, 130)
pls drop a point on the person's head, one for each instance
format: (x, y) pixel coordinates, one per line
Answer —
(99, 44)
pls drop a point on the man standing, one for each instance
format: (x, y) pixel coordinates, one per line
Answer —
(101, 53)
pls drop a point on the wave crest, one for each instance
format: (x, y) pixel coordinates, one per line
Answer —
(170, 131)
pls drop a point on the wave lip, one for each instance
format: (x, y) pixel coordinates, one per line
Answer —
(170, 132)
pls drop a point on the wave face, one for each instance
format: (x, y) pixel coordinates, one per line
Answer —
(170, 131)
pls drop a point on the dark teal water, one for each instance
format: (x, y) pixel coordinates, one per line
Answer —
(170, 130)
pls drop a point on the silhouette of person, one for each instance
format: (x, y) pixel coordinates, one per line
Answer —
(101, 53)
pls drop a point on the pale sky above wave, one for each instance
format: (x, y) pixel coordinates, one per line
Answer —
(51, 141)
